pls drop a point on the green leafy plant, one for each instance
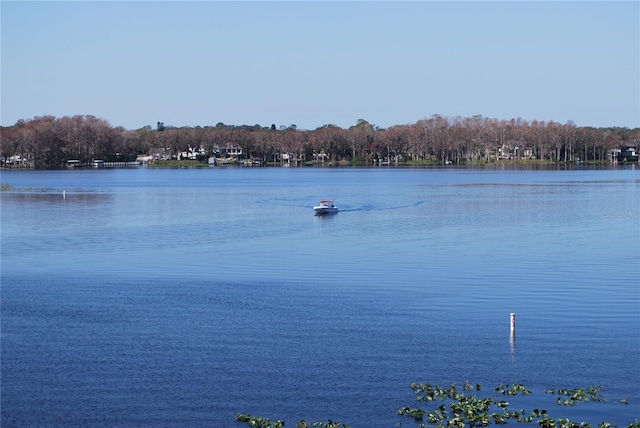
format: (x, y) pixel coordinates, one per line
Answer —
(454, 407)
(571, 397)
(259, 422)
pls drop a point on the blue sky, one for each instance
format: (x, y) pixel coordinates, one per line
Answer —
(325, 62)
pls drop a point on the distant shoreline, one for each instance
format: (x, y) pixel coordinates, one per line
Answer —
(515, 165)
(86, 141)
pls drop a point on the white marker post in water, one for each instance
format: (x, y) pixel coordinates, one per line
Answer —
(513, 324)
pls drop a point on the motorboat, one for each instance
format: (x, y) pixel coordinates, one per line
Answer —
(325, 207)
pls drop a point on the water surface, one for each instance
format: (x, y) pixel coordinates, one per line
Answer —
(147, 297)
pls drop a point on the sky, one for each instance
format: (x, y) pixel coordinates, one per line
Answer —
(312, 63)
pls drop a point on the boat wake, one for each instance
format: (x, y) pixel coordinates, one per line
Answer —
(373, 207)
(296, 203)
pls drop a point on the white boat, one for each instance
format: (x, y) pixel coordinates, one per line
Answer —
(325, 207)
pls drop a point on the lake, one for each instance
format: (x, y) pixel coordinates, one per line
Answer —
(181, 297)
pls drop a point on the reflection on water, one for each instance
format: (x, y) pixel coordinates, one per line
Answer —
(182, 297)
(51, 197)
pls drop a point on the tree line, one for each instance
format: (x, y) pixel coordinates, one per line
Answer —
(48, 142)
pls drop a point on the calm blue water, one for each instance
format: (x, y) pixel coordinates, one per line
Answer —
(179, 298)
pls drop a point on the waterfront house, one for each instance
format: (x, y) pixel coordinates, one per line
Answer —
(628, 155)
